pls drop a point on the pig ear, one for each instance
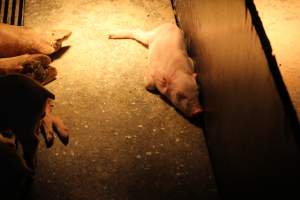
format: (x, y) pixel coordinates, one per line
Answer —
(163, 84)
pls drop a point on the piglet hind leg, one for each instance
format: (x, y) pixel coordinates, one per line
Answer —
(140, 36)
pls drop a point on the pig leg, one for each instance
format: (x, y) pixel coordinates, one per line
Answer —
(140, 36)
(29, 141)
(47, 42)
(56, 38)
(145, 39)
(52, 124)
(19, 63)
(35, 66)
(18, 40)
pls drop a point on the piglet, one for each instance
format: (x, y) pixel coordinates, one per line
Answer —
(171, 70)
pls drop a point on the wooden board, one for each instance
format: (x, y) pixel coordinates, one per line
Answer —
(251, 126)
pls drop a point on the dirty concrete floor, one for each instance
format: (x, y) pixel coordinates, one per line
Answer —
(281, 20)
(125, 143)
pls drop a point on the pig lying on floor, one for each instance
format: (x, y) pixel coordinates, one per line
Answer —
(25, 51)
(22, 107)
(171, 70)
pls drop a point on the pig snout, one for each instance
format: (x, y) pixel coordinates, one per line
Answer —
(196, 111)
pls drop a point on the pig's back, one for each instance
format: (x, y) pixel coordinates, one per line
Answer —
(167, 44)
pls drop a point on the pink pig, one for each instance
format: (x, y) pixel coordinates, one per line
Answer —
(171, 70)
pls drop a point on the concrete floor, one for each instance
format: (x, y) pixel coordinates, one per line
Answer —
(125, 143)
(281, 20)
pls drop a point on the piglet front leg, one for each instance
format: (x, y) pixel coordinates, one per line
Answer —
(51, 125)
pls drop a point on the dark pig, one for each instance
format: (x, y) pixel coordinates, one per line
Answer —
(171, 70)
(23, 105)
(13, 172)
(23, 108)
(25, 51)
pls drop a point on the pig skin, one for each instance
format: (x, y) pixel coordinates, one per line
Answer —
(14, 172)
(171, 70)
(16, 40)
(35, 66)
(25, 50)
(22, 106)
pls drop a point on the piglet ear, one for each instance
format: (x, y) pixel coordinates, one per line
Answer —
(162, 83)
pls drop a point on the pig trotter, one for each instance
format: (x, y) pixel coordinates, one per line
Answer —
(56, 38)
(18, 40)
(52, 124)
(37, 68)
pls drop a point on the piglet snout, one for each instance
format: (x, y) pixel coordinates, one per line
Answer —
(196, 111)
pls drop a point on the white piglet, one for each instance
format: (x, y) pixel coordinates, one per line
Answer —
(171, 70)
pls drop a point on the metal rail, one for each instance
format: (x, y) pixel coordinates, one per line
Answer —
(12, 12)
